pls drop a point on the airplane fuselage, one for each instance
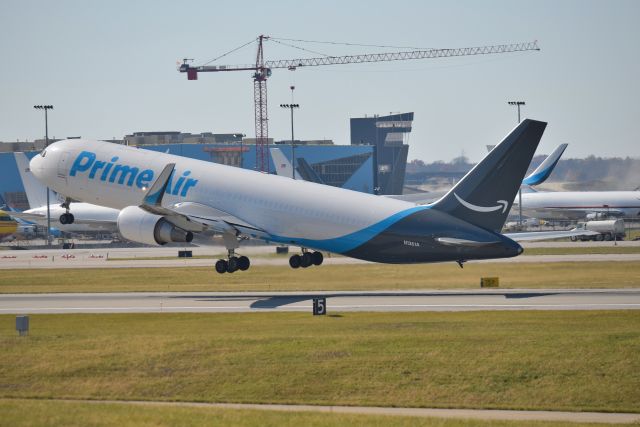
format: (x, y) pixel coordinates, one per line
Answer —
(89, 218)
(576, 204)
(280, 209)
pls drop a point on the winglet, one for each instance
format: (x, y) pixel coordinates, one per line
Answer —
(156, 191)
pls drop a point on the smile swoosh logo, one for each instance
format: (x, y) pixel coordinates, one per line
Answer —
(502, 204)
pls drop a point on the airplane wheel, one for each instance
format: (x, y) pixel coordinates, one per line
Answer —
(63, 219)
(317, 258)
(295, 261)
(221, 266)
(232, 264)
(70, 218)
(573, 238)
(306, 260)
(599, 237)
(244, 263)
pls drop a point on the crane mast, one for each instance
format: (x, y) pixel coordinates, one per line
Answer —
(260, 109)
(262, 71)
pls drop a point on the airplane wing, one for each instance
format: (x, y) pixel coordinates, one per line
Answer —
(192, 216)
(544, 235)
(27, 216)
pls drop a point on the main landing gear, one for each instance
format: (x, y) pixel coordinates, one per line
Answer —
(233, 263)
(305, 260)
(67, 217)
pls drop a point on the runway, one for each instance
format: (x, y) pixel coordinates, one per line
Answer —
(391, 301)
(260, 256)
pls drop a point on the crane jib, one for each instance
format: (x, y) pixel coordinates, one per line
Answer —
(372, 57)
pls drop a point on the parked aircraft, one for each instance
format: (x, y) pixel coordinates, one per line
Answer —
(581, 204)
(8, 227)
(538, 176)
(84, 217)
(165, 198)
(12, 228)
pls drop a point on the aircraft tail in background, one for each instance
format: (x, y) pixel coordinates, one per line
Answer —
(543, 171)
(282, 164)
(36, 192)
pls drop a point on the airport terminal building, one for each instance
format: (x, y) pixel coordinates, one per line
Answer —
(374, 162)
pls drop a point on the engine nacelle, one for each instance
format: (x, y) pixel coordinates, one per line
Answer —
(141, 226)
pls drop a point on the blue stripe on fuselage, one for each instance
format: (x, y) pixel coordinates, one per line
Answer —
(350, 241)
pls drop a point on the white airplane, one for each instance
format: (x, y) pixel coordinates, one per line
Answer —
(85, 217)
(581, 204)
(165, 198)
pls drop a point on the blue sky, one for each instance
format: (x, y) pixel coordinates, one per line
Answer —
(109, 69)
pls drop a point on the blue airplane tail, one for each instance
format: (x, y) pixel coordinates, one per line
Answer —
(543, 171)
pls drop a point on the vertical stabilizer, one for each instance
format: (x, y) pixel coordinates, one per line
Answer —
(282, 164)
(485, 194)
(543, 171)
(36, 191)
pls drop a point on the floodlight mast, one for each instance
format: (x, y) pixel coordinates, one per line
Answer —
(262, 71)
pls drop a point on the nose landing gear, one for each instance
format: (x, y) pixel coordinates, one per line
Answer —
(67, 217)
(307, 259)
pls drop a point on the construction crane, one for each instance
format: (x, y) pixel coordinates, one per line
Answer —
(262, 71)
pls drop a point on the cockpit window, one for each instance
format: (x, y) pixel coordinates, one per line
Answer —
(44, 152)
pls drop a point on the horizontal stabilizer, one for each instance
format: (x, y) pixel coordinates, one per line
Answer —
(545, 235)
(450, 241)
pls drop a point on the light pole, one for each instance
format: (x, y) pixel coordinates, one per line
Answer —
(293, 143)
(518, 104)
(46, 108)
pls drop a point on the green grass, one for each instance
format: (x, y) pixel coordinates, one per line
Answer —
(58, 413)
(577, 250)
(554, 360)
(326, 277)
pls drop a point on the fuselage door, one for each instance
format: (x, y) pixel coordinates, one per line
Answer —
(63, 166)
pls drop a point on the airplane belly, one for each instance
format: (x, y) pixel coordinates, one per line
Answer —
(432, 236)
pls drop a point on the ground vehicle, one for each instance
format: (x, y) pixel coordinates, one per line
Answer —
(609, 229)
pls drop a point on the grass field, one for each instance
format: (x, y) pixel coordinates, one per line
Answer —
(578, 250)
(326, 277)
(510, 360)
(50, 413)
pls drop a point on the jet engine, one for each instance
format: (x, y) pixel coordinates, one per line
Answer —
(141, 226)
